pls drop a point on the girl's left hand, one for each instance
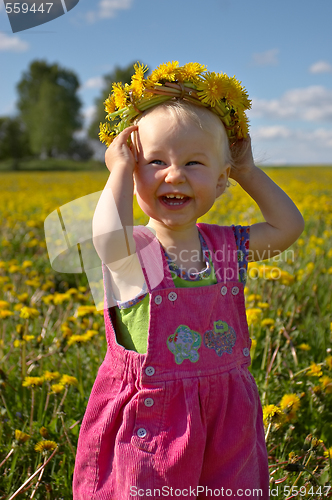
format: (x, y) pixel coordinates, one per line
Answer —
(242, 158)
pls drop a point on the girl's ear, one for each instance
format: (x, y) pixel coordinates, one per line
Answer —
(222, 180)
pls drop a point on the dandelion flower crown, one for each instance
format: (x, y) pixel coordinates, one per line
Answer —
(223, 95)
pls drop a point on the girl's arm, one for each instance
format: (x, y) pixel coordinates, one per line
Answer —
(283, 221)
(112, 224)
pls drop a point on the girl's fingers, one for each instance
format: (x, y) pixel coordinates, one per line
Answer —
(125, 134)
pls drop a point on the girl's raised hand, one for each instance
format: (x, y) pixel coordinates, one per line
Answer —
(119, 154)
(242, 158)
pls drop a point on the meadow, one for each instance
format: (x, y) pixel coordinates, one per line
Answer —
(52, 337)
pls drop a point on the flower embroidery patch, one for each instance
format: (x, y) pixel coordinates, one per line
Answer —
(184, 344)
(222, 338)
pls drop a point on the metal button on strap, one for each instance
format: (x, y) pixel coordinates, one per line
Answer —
(235, 290)
(149, 371)
(172, 296)
(223, 290)
(246, 351)
(158, 299)
(148, 402)
(141, 433)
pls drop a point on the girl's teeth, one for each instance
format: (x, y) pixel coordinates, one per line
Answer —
(176, 199)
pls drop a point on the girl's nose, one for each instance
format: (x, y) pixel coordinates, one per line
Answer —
(175, 175)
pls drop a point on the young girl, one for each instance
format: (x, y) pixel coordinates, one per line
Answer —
(174, 410)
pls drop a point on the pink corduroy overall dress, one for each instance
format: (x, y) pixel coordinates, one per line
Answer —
(183, 420)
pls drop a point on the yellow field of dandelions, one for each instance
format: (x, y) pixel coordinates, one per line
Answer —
(52, 337)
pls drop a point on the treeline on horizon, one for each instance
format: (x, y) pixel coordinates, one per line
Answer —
(49, 117)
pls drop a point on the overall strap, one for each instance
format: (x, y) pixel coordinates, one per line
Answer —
(152, 259)
(221, 243)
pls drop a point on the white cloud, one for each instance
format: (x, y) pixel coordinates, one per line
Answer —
(95, 82)
(321, 67)
(321, 136)
(274, 132)
(88, 114)
(107, 9)
(279, 145)
(12, 44)
(267, 58)
(310, 104)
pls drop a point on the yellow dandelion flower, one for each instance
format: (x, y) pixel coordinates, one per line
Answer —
(23, 297)
(315, 370)
(43, 432)
(328, 452)
(236, 94)
(28, 338)
(164, 72)
(44, 446)
(326, 383)
(315, 442)
(263, 305)
(119, 95)
(286, 278)
(57, 388)
(83, 310)
(16, 343)
(328, 362)
(29, 312)
(35, 283)
(242, 124)
(304, 347)
(290, 403)
(5, 314)
(21, 437)
(68, 380)
(33, 381)
(105, 135)
(48, 299)
(271, 413)
(109, 105)
(76, 339)
(137, 80)
(51, 375)
(267, 322)
(212, 88)
(66, 331)
(253, 315)
(47, 285)
(252, 297)
(13, 269)
(26, 264)
(4, 304)
(253, 344)
(190, 72)
(59, 298)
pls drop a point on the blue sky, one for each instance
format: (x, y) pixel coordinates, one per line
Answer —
(281, 51)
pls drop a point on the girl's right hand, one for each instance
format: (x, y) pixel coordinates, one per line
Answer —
(119, 154)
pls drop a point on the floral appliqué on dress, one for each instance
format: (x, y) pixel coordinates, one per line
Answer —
(184, 344)
(222, 338)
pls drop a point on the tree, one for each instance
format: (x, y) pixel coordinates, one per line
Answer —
(49, 107)
(14, 140)
(118, 75)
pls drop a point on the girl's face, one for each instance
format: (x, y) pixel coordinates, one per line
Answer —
(180, 169)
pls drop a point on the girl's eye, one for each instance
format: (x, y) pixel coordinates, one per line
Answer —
(156, 162)
(193, 162)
